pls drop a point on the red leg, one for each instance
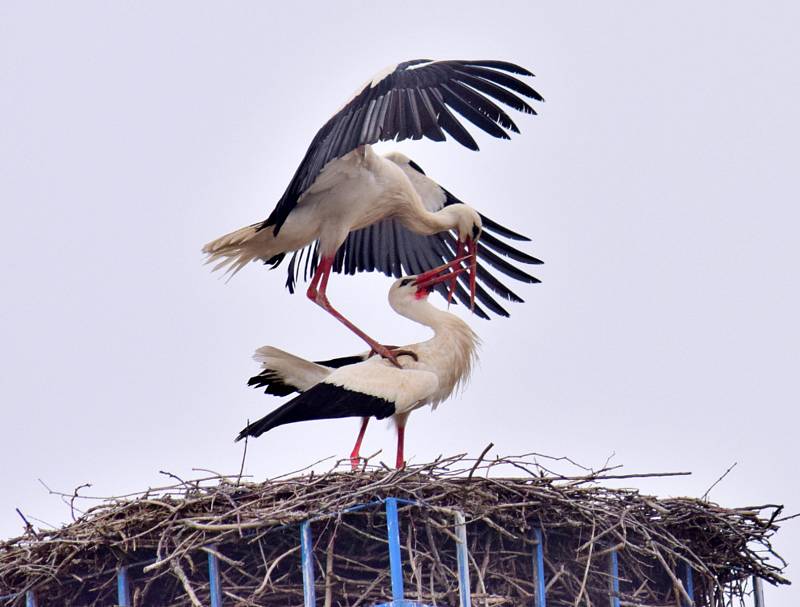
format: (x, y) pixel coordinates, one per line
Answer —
(354, 456)
(400, 462)
(321, 299)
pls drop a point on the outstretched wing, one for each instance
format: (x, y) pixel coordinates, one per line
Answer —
(411, 101)
(390, 248)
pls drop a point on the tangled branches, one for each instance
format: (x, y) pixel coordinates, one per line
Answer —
(164, 536)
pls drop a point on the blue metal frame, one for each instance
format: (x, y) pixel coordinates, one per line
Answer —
(396, 565)
(758, 592)
(462, 553)
(307, 560)
(395, 558)
(123, 587)
(614, 570)
(214, 590)
(688, 584)
(540, 600)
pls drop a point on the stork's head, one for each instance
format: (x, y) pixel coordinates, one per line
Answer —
(410, 289)
(468, 222)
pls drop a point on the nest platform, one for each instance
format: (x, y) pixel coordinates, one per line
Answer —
(596, 545)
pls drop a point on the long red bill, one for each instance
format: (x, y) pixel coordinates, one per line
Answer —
(428, 280)
(439, 269)
(462, 254)
(472, 252)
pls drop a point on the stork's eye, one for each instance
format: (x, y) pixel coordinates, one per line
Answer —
(405, 282)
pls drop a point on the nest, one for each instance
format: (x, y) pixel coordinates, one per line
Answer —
(163, 536)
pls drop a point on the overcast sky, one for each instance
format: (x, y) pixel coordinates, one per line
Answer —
(659, 183)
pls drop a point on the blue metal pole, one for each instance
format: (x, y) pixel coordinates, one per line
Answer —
(395, 562)
(214, 590)
(614, 570)
(123, 587)
(307, 560)
(689, 575)
(464, 590)
(30, 599)
(539, 599)
(758, 592)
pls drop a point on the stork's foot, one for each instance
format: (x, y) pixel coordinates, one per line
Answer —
(394, 353)
(355, 463)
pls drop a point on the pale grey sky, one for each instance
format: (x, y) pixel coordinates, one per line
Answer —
(659, 184)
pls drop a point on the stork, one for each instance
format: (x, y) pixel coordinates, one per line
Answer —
(368, 386)
(383, 209)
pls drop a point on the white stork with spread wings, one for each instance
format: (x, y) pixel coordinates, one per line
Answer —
(364, 386)
(386, 212)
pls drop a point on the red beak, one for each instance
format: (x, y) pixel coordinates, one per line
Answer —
(466, 250)
(472, 251)
(427, 280)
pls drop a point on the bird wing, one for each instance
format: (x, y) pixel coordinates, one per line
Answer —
(404, 388)
(388, 247)
(368, 389)
(412, 101)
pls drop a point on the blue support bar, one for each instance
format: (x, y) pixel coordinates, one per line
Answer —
(539, 599)
(123, 587)
(688, 583)
(614, 571)
(464, 591)
(307, 556)
(395, 562)
(30, 599)
(758, 592)
(214, 589)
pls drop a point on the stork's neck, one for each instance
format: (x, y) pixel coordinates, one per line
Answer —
(424, 313)
(450, 353)
(423, 221)
(448, 328)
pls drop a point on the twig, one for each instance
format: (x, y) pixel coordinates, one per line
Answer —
(28, 527)
(244, 457)
(479, 460)
(716, 482)
(176, 567)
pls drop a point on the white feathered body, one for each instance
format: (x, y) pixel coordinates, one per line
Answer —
(443, 363)
(351, 192)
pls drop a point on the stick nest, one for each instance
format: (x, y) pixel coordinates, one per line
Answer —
(164, 536)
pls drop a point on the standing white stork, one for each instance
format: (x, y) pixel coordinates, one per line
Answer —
(342, 187)
(368, 386)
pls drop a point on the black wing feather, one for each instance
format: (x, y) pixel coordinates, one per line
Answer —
(498, 245)
(502, 65)
(323, 401)
(388, 247)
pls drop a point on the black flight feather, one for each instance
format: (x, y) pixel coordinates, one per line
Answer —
(323, 401)
(411, 102)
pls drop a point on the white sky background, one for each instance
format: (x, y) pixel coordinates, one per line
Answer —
(659, 184)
